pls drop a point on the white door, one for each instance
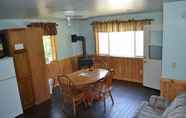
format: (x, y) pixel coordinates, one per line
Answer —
(152, 63)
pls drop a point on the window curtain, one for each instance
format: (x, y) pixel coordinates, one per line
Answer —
(48, 28)
(116, 26)
(53, 45)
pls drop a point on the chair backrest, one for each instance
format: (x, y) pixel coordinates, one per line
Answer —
(66, 88)
(65, 83)
(109, 77)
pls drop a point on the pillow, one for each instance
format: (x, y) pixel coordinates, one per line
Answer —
(183, 93)
(180, 100)
(158, 102)
(178, 112)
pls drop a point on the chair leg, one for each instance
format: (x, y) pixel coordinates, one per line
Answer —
(63, 105)
(53, 86)
(104, 103)
(74, 108)
(110, 93)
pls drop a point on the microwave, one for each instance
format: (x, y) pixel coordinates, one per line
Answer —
(4, 51)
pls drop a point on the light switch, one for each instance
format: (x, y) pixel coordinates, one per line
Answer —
(62, 35)
(184, 15)
(174, 65)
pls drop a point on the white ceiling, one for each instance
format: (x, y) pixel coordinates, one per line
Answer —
(76, 8)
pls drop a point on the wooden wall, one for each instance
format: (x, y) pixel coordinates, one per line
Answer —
(64, 66)
(129, 69)
(170, 88)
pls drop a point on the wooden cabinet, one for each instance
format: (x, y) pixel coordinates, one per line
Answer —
(29, 65)
(22, 67)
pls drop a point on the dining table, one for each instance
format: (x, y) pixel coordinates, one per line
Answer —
(87, 77)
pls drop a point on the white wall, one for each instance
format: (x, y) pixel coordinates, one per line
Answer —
(174, 41)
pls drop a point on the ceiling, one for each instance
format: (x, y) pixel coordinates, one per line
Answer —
(74, 8)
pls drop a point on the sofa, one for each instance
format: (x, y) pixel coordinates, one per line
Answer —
(159, 107)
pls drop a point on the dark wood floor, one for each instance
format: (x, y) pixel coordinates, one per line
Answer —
(127, 98)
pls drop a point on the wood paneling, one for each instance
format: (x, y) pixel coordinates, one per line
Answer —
(35, 50)
(52, 69)
(64, 66)
(170, 88)
(126, 68)
(130, 69)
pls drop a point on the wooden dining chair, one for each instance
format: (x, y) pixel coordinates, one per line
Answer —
(70, 93)
(104, 88)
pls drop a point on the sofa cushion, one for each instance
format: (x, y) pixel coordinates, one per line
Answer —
(178, 112)
(155, 108)
(158, 102)
(146, 111)
(180, 100)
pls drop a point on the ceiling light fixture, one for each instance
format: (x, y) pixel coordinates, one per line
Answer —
(68, 15)
(68, 21)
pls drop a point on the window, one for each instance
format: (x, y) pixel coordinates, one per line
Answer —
(139, 44)
(103, 43)
(49, 48)
(121, 44)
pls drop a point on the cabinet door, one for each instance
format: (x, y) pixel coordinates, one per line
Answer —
(35, 50)
(24, 80)
(22, 68)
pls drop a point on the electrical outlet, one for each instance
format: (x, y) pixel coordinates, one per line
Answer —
(184, 15)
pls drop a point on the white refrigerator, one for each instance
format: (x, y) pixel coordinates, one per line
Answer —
(10, 104)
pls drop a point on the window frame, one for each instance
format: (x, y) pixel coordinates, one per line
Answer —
(52, 39)
(135, 56)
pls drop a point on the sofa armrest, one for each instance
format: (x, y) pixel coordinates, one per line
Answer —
(158, 102)
(139, 109)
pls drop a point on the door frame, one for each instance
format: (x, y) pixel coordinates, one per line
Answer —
(147, 42)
